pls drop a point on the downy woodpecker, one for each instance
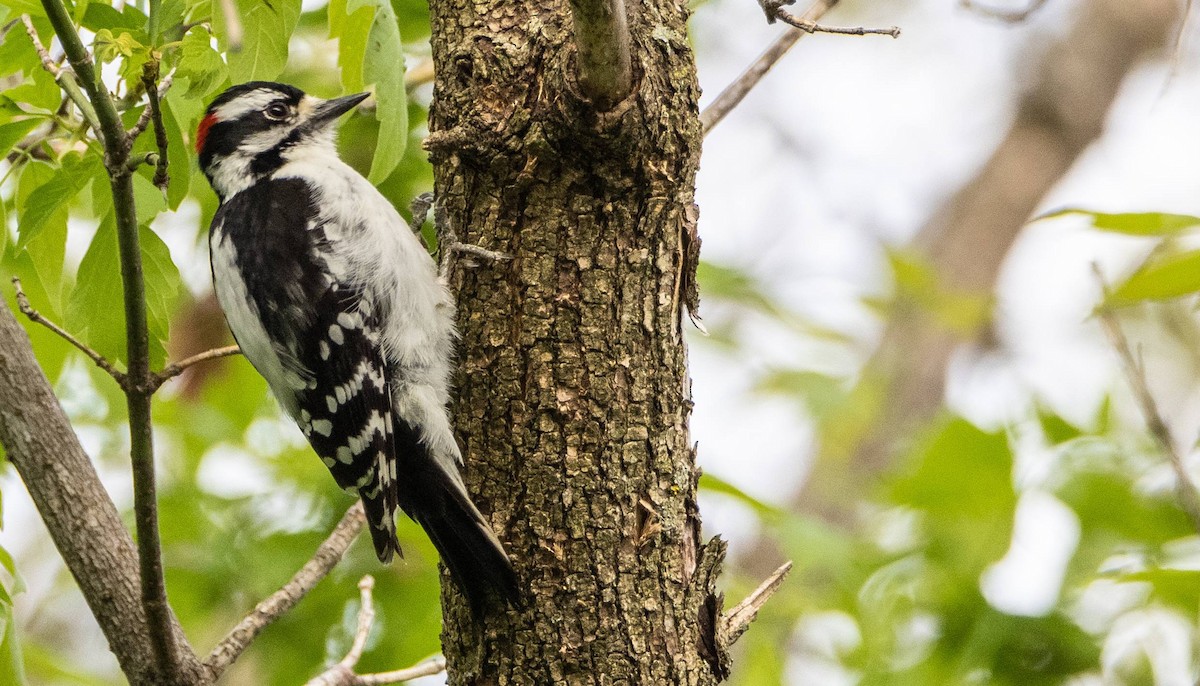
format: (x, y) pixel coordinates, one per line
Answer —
(334, 300)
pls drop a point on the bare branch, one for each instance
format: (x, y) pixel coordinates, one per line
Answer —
(150, 83)
(449, 247)
(1009, 16)
(83, 522)
(64, 77)
(735, 92)
(144, 119)
(428, 668)
(342, 674)
(603, 63)
(735, 622)
(1135, 374)
(328, 554)
(813, 27)
(176, 368)
(36, 317)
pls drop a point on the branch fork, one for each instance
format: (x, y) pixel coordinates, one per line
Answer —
(342, 673)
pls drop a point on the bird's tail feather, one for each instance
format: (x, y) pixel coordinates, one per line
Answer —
(468, 547)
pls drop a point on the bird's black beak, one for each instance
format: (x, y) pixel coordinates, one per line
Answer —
(327, 111)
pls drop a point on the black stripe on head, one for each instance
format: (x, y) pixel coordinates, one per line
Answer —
(286, 91)
(227, 130)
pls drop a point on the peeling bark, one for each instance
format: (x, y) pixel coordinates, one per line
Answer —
(573, 396)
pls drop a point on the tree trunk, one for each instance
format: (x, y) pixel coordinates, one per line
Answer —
(573, 397)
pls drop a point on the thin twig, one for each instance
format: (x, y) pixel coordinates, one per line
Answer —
(36, 317)
(150, 81)
(1135, 374)
(735, 92)
(801, 26)
(233, 25)
(64, 77)
(176, 368)
(144, 118)
(813, 27)
(342, 673)
(328, 554)
(1008, 16)
(735, 622)
(603, 64)
(449, 247)
(428, 668)
(366, 617)
(135, 161)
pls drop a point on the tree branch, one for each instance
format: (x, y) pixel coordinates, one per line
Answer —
(735, 92)
(1135, 374)
(144, 118)
(150, 82)
(82, 520)
(328, 554)
(603, 63)
(176, 368)
(735, 622)
(342, 674)
(813, 27)
(37, 318)
(64, 78)
(168, 651)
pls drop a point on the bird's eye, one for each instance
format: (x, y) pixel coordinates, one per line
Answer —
(276, 110)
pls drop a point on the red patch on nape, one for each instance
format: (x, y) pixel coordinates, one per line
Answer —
(202, 130)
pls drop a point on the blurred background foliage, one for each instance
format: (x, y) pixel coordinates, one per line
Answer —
(920, 565)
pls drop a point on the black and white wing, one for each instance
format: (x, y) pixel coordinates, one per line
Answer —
(313, 335)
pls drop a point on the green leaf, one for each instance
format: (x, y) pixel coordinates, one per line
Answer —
(1179, 588)
(31, 7)
(179, 162)
(822, 394)
(101, 15)
(1161, 278)
(1056, 429)
(375, 56)
(39, 88)
(96, 309)
(351, 32)
(264, 50)
(960, 479)
(200, 64)
(962, 470)
(716, 484)
(170, 15)
(1132, 224)
(7, 562)
(162, 291)
(54, 195)
(12, 667)
(14, 132)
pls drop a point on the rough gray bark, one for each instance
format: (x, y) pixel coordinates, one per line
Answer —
(573, 394)
(77, 511)
(967, 240)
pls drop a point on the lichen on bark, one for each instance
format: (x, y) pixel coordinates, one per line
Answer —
(572, 398)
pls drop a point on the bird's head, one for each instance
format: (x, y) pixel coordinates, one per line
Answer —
(253, 128)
